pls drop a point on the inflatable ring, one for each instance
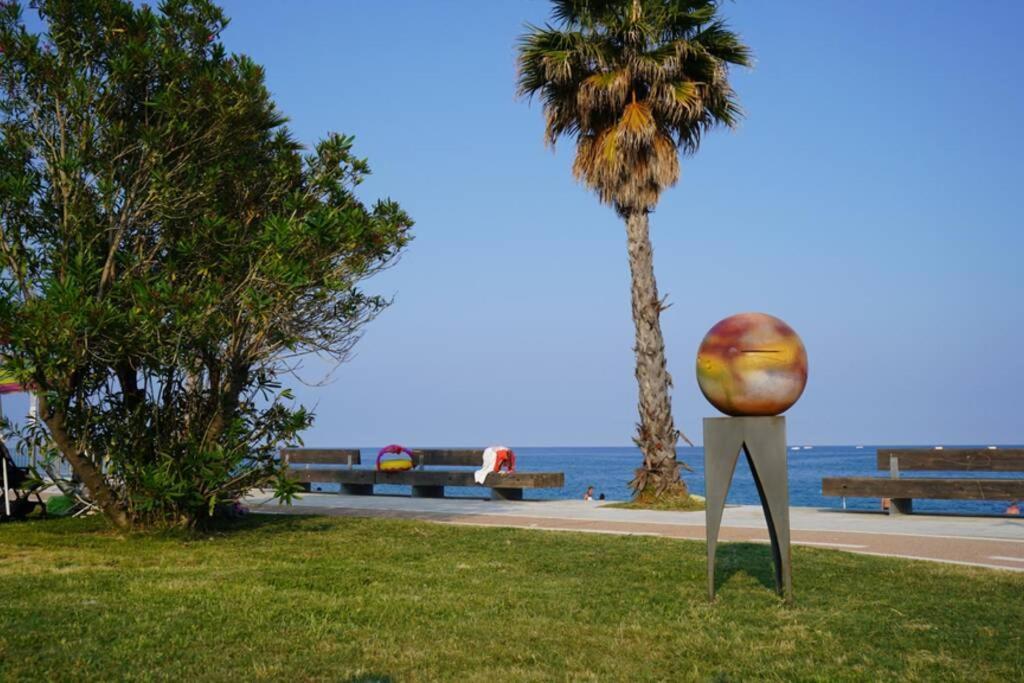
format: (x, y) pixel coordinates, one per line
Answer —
(394, 458)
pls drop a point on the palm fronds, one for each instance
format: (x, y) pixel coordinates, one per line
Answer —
(636, 83)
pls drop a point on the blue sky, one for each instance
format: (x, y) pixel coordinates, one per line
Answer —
(870, 199)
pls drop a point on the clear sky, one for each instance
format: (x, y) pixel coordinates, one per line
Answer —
(871, 198)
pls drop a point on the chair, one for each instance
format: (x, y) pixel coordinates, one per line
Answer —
(19, 485)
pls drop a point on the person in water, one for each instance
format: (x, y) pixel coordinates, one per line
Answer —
(589, 495)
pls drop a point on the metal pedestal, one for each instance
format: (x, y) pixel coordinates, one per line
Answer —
(763, 440)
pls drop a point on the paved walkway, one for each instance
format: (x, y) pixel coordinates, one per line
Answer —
(996, 542)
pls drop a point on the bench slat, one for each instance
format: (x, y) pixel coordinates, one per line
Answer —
(517, 480)
(448, 457)
(959, 489)
(426, 478)
(526, 480)
(954, 459)
(317, 456)
(332, 475)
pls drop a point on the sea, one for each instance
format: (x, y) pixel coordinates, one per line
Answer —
(609, 470)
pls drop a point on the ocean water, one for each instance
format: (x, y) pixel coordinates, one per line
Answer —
(609, 471)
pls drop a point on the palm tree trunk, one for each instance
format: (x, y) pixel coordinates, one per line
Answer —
(656, 433)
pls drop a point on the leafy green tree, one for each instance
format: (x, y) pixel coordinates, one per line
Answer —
(167, 252)
(636, 83)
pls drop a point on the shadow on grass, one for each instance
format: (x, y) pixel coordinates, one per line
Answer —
(270, 524)
(53, 524)
(97, 526)
(752, 559)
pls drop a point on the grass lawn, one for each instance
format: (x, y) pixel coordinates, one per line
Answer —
(340, 599)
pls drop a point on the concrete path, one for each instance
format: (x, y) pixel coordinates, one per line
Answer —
(996, 542)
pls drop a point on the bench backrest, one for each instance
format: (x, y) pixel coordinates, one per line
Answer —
(320, 456)
(436, 457)
(953, 459)
(448, 457)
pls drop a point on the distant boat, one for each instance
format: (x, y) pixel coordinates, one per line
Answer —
(860, 447)
(992, 448)
(807, 448)
(795, 448)
(938, 448)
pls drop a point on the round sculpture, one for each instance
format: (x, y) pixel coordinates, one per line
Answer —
(752, 364)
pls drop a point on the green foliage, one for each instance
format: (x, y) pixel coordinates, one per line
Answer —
(59, 506)
(168, 251)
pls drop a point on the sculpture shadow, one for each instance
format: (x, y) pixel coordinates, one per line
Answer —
(752, 559)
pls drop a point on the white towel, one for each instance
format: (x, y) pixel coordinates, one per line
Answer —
(490, 457)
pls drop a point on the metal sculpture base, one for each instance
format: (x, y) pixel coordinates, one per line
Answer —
(763, 440)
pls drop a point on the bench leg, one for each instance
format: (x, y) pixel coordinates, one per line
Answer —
(506, 494)
(428, 492)
(358, 489)
(901, 506)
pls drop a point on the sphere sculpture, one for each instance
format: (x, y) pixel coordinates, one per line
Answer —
(752, 364)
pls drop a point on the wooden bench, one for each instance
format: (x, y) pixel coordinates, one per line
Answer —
(338, 466)
(903, 491)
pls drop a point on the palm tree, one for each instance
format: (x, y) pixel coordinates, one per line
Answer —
(636, 83)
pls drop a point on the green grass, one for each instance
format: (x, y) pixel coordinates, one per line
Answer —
(342, 599)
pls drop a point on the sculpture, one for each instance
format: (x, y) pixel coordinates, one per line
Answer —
(752, 364)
